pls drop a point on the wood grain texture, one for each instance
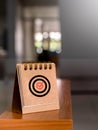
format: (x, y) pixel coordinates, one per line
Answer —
(55, 120)
(39, 125)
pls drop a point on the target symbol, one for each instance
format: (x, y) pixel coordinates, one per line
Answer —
(39, 85)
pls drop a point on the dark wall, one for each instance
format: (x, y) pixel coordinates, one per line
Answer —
(39, 2)
(79, 26)
(79, 20)
(3, 8)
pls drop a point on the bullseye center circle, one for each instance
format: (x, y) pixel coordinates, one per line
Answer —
(39, 85)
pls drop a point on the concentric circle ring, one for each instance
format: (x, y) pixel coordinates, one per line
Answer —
(32, 88)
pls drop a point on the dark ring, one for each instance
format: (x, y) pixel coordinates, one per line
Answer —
(38, 76)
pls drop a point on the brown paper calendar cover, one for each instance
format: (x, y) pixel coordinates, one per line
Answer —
(35, 88)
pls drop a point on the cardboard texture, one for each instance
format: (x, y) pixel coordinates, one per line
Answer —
(35, 88)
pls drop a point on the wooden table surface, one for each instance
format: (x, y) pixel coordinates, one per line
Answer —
(55, 120)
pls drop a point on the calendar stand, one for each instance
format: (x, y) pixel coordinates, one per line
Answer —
(35, 88)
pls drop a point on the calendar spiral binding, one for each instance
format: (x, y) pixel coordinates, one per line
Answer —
(36, 66)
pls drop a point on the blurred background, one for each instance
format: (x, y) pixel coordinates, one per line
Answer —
(61, 31)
